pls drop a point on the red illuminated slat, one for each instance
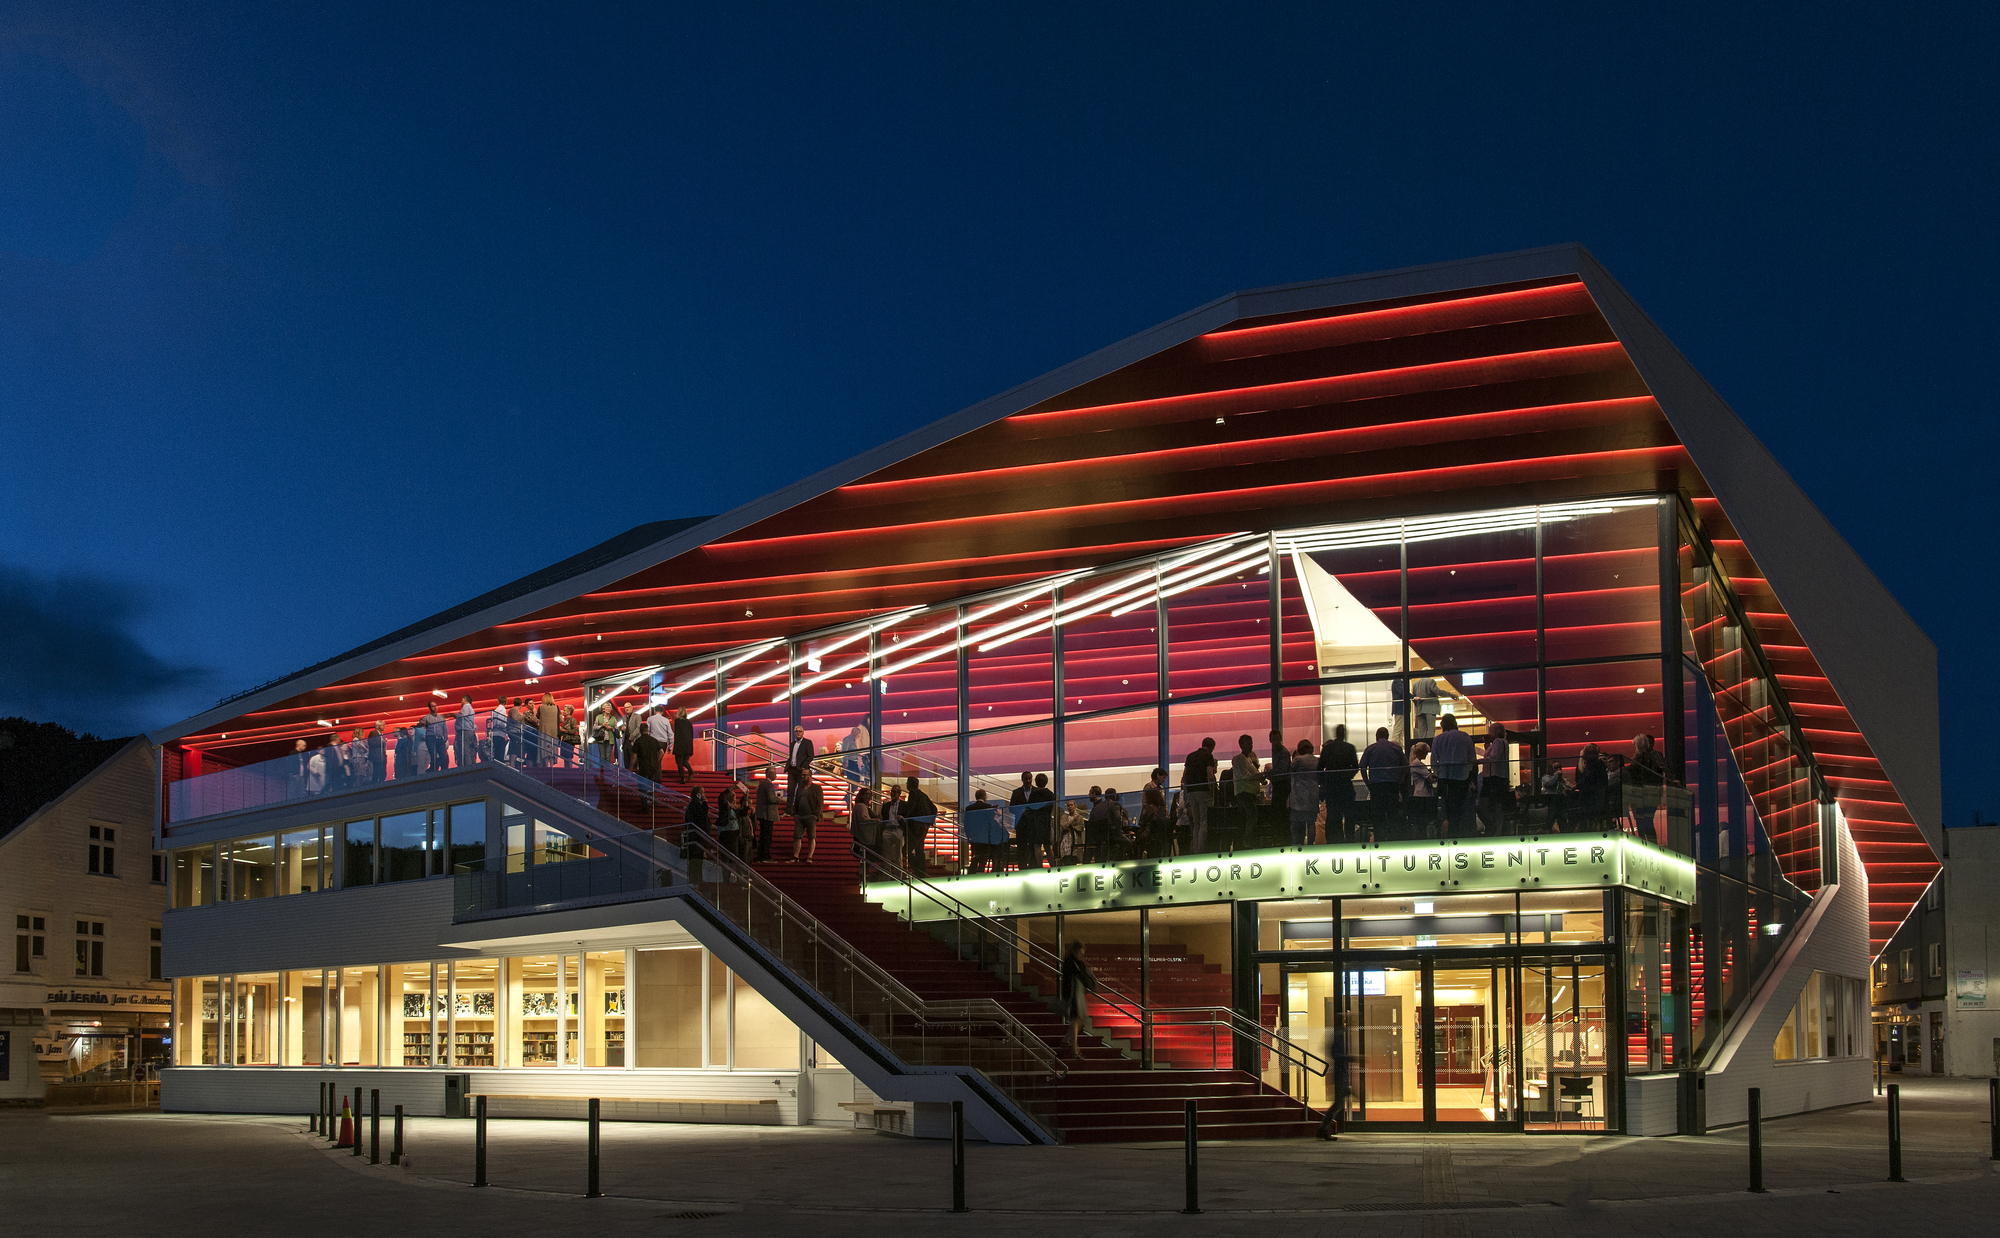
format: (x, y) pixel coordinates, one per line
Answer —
(1434, 316)
(1369, 385)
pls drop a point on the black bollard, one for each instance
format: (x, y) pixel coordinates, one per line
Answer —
(593, 1192)
(357, 1122)
(1896, 1134)
(1993, 1115)
(312, 1123)
(374, 1126)
(1193, 1182)
(958, 1156)
(332, 1111)
(1756, 1141)
(396, 1153)
(479, 1142)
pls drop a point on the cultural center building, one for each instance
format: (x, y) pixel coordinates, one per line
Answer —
(1477, 496)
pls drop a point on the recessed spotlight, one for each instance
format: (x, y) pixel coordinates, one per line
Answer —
(1218, 421)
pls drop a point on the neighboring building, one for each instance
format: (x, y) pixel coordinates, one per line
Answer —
(1931, 1011)
(83, 891)
(1488, 492)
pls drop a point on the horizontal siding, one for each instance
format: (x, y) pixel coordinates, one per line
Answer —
(398, 923)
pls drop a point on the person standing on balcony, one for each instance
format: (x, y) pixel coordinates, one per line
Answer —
(1496, 786)
(1280, 771)
(357, 756)
(300, 757)
(1100, 827)
(653, 734)
(1151, 837)
(1017, 811)
(683, 729)
(1302, 801)
(571, 735)
(1592, 785)
(1038, 824)
(1422, 810)
(1075, 983)
(981, 834)
(378, 765)
(496, 732)
(604, 733)
(1385, 767)
(798, 768)
(465, 733)
(919, 814)
(521, 729)
(314, 764)
(1645, 780)
(1338, 763)
(1246, 777)
(856, 748)
(1451, 761)
(1198, 783)
(769, 806)
(889, 839)
(434, 738)
(548, 720)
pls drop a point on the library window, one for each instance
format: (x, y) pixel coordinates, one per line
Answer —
(90, 947)
(101, 838)
(1934, 960)
(30, 941)
(154, 973)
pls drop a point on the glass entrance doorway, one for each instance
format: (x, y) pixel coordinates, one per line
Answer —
(1425, 1042)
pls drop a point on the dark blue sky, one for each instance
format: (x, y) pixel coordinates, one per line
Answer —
(314, 320)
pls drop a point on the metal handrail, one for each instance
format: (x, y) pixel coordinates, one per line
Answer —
(713, 851)
(1016, 941)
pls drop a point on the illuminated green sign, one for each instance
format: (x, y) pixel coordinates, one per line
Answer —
(1552, 862)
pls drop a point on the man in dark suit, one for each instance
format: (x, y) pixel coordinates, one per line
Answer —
(683, 730)
(798, 768)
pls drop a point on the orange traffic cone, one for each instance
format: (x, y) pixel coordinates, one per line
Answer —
(346, 1126)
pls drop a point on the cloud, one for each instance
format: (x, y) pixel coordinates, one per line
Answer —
(70, 653)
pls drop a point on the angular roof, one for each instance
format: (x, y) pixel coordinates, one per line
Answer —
(1516, 378)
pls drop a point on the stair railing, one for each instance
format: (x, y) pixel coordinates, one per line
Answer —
(977, 1032)
(991, 937)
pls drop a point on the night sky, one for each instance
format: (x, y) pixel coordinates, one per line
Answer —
(316, 321)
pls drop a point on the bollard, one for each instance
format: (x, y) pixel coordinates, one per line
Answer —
(593, 1192)
(479, 1142)
(1993, 1115)
(1756, 1141)
(1878, 1076)
(312, 1123)
(374, 1126)
(958, 1156)
(1895, 1134)
(1193, 1184)
(396, 1152)
(332, 1104)
(357, 1122)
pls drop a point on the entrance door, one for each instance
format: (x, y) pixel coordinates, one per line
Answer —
(1427, 1042)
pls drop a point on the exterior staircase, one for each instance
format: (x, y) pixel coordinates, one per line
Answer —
(1107, 1096)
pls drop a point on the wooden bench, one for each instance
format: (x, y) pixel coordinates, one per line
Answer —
(869, 1107)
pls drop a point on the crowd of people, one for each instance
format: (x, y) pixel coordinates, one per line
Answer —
(1445, 786)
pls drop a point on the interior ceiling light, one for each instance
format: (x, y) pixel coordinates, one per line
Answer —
(434, 692)
(562, 660)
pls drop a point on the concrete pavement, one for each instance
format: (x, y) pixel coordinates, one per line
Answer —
(1826, 1171)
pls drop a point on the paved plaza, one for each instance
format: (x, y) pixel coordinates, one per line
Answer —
(1825, 1173)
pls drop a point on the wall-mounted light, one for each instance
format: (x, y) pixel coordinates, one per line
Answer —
(438, 692)
(562, 660)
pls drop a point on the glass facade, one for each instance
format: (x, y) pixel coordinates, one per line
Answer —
(597, 1009)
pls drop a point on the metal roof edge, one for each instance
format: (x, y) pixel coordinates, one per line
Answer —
(1879, 661)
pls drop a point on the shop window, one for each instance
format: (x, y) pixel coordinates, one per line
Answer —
(102, 853)
(153, 954)
(90, 947)
(30, 941)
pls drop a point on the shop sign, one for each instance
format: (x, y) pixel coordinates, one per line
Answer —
(1465, 866)
(1970, 989)
(156, 999)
